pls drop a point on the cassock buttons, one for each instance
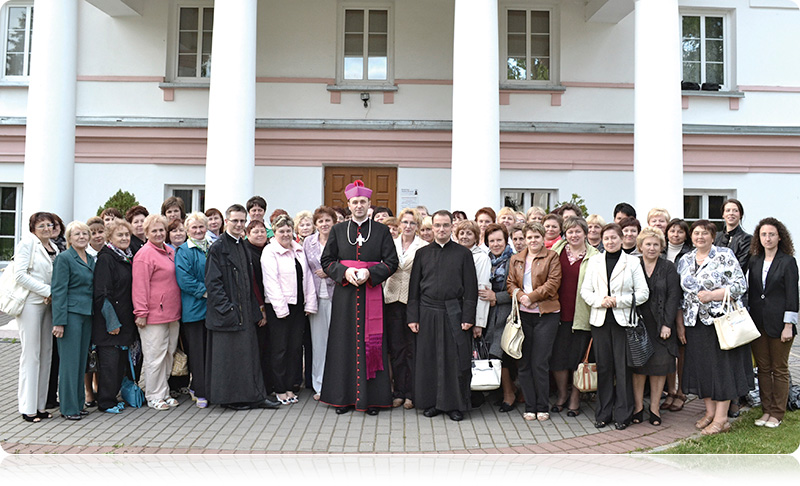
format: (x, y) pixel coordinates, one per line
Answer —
(762, 297)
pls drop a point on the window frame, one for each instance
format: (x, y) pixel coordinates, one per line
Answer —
(728, 43)
(526, 196)
(27, 53)
(173, 44)
(552, 7)
(169, 190)
(704, 195)
(17, 217)
(366, 6)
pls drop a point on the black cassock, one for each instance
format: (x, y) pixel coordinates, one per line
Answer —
(443, 293)
(345, 380)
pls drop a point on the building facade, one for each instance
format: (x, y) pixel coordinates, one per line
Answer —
(448, 103)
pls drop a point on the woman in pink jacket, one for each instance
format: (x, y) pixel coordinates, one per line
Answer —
(157, 307)
(289, 296)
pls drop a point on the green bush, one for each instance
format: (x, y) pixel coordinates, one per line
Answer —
(122, 200)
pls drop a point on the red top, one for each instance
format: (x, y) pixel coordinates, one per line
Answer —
(569, 286)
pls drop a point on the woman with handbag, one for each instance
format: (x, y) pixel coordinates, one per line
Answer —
(72, 287)
(713, 374)
(33, 270)
(613, 279)
(773, 307)
(658, 314)
(574, 331)
(113, 327)
(537, 272)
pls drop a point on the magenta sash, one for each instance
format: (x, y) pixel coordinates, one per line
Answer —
(373, 310)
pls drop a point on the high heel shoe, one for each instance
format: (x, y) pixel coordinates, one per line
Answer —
(557, 408)
(638, 417)
(35, 419)
(667, 402)
(654, 419)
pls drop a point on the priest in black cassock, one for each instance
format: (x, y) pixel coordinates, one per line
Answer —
(358, 256)
(442, 297)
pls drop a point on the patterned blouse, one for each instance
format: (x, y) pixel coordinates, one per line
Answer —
(720, 269)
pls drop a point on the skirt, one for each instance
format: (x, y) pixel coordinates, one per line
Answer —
(710, 372)
(569, 347)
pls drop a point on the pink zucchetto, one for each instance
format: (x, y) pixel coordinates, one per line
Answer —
(357, 189)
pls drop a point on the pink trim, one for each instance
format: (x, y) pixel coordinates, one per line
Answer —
(169, 94)
(416, 149)
(336, 97)
(388, 97)
(122, 79)
(685, 102)
(733, 104)
(771, 89)
(577, 84)
(505, 97)
(555, 99)
(261, 79)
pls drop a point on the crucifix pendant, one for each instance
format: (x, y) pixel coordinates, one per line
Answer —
(360, 240)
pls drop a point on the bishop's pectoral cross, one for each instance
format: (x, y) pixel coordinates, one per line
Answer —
(360, 240)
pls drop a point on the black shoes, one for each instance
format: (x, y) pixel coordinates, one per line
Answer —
(455, 415)
(372, 411)
(343, 410)
(267, 403)
(620, 425)
(84, 412)
(72, 417)
(237, 406)
(431, 412)
(507, 407)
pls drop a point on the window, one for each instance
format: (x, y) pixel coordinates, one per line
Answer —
(10, 218)
(524, 199)
(704, 49)
(195, 27)
(18, 21)
(366, 41)
(194, 197)
(529, 46)
(698, 204)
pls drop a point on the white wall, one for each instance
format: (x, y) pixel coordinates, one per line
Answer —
(432, 185)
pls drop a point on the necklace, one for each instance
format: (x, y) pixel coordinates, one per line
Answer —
(360, 240)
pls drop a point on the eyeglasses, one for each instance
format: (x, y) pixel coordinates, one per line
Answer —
(45, 226)
(237, 221)
(409, 223)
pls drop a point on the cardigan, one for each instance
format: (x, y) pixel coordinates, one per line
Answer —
(581, 320)
(627, 280)
(280, 278)
(313, 252)
(155, 291)
(776, 303)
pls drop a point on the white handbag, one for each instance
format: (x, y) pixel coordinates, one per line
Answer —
(485, 371)
(511, 340)
(12, 294)
(735, 327)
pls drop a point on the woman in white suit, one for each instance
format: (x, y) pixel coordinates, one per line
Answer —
(33, 269)
(612, 280)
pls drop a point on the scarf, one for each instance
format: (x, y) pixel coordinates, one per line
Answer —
(127, 255)
(202, 244)
(499, 268)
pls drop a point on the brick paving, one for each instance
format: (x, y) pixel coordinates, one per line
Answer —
(312, 428)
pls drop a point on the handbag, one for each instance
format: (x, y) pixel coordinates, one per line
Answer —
(91, 361)
(640, 347)
(485, 372)
(735, 327)
(180, 362)
(130, 391)
(511, 340)
(12, 294)
(584, 378)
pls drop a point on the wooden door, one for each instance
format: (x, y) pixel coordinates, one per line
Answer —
(382, 181)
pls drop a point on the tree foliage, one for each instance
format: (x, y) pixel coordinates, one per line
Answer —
(577, 200)
(122, 200)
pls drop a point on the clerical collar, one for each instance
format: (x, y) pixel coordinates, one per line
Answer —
(442, 244)
(359, 222)
(235, 238)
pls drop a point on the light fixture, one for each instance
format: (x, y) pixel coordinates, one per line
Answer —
(365, 99)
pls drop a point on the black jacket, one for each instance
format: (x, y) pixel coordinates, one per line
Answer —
(229, 282)
(664, 301)
(112, 282)
(769, 303)
(738, 241)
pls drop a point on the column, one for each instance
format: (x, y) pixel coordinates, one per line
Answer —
(657, 132)
(230, 155)
(475, 171)
(49, 174)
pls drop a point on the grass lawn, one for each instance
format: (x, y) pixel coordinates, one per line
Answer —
(745, 438)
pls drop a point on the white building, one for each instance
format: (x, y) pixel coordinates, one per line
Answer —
(448, 103)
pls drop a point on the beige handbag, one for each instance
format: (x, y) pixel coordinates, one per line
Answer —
(180, 362)
(12, 294)
(585, 377)
(511, 341)
(735, 327)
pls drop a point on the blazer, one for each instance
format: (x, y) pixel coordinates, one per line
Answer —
(627, 280)
(545, 279)
(38, 280)
(113, 306)
(72, 287)
(719, 269)
(665, 299)
(582, 310)
(776, 303)
(280, 278)
(395, 288)
(483, 270)
(313, 254)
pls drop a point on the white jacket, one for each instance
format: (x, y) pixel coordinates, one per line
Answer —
(626, 278)
(483, 270)
(29, 249)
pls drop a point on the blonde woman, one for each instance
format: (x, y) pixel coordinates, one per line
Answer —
(303, 225)
(535, 215)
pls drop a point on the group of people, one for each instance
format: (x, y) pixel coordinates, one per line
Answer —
(373, 311)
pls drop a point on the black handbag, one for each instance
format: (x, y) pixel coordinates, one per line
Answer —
(640, 347)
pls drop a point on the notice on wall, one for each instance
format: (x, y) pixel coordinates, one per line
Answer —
(409, 198)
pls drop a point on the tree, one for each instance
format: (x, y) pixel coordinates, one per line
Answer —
(121, 200)
(576, 200)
